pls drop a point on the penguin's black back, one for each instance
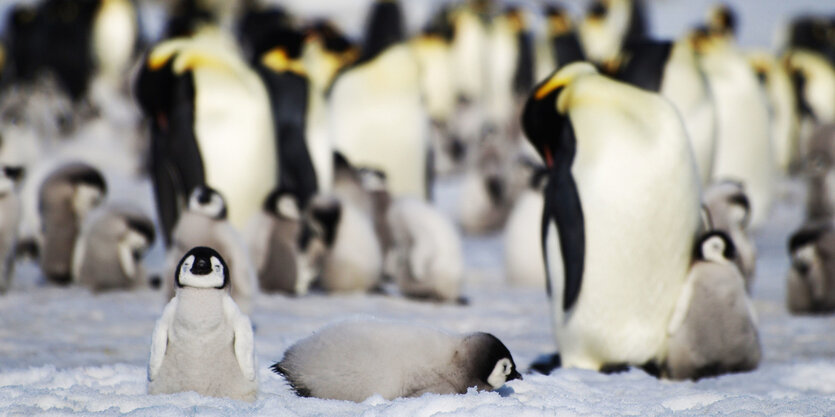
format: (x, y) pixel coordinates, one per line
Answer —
(384, 28)
(645, 64)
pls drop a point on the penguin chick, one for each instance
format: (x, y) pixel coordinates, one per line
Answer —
(426, 259)
(354, 360)
(487, 193)
(64, 200)
(713, 329)
(340, 246)
(109, 250)
(205, 223)
(273, 244)
(811, 281)
(9, 220)
(819, 170)
(203, 342)
(729, 211)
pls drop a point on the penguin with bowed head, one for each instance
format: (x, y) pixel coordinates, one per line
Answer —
(9, 219)
(714, 327)
(109, 250)
(202, 342)
(811, 279)
(622, 189)
(205, 223)
(65, 198)
(355, 359)
(273, 242)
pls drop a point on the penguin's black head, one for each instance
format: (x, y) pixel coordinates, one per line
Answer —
(334, 40)
(723, 20)
(160, 91)
(808, 235)
(86, 175)
(715, 246)
(281, 50)
(208, 201)
(542, 123)
(186, 18)
(202, 267)
(597, 10)
(282, 203)
(441, 24)
(384, 28)
(144, 227)
(559, 21)
(325, 214)
(493, 362)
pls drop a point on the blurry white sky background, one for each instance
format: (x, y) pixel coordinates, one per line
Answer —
(760, 21)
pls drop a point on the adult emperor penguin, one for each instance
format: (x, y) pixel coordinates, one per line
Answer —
(559, 44)
(672, 69)
(729, 211)
(744, 150)
(210, 124)
(609, 25)
(110, 248)
(819, 171)
(65, 198)
(814, 83)
(523, 261)
(609, 238)
(205, 223)
(203, 342)
(377, 114)
(115, 37)
(355, 359)
(811, 282)
(714, 327)
(339, 246)
(273, 243)
(9, 219)
(427, 259)
(775, 78)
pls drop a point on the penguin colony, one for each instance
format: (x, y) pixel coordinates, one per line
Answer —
(627, 174)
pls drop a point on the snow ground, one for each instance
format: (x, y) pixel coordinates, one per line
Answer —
(65, 351)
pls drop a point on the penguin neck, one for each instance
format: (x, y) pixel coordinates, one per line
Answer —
(200, 308)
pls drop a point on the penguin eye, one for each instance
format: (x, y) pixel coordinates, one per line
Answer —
(217, 268)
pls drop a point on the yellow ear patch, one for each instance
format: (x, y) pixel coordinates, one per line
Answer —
(277, 60)
(163, 52)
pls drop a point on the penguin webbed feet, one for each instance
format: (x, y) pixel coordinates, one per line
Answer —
(650, 368)
(27, 249)
(546, 363)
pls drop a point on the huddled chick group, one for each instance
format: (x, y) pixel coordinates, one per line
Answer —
(625, 172)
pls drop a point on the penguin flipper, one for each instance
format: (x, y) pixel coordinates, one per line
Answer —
(159, 339)
(243, 340)
(563, 201)
(126, 261)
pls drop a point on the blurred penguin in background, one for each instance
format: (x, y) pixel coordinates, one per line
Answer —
(819, 172)
(273, 242)
(377, 114)
(487, 192)
(744, 147)
(729, 211)
(814, 83)
(523, 260)
(559, 43)
(9, 219)
(109, 250)
(210, 123)
(65, 198)
(469, 58)
(774, 76)
(205, 223)
(609, 25)
(811, 280)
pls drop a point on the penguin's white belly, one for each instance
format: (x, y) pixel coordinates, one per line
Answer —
(235, 136)
(114, 38)
(202, 360)
(744, 149)
(640, 200)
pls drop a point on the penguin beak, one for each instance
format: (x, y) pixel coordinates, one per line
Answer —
(514, 375)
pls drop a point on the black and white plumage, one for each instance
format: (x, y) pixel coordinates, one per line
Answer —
(184, 87)
(273, 242)
(64, 200)
(714, 327)
(811, 280)
(729, 211)
(110, 248)
(204, 223)
(203, 342)
(354, 360)
(622, 189)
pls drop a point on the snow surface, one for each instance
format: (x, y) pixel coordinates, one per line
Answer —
(66, 351)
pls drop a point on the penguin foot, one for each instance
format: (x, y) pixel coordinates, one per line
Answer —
(462, 301)
(546, 363)
(27, 248)
(614, 368)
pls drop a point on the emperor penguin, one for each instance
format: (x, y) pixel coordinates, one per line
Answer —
(819, 171)
(775, 77)
(109, 250)
(811, 279)
(523, 260)
(744, 149)
(427, 258)
(114, 39)
(377, 115)
(65, 198)
(273, 243)
(355, 359)
(339, 246)
(610, 24)
(9, 219)
(672, 70)
(205, 223)
(714, 327)
(601, 227)
(729, 211)
(203, 342)
(559, 43)
(812, 32)
(210, 123)
(814, 84)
